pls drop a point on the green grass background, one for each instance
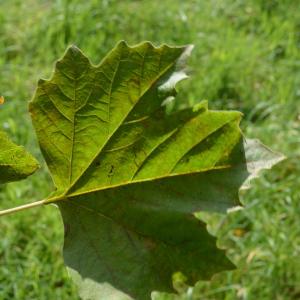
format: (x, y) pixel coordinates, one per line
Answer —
(246, 57)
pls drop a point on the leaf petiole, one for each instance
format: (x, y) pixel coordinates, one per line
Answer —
(22, 207)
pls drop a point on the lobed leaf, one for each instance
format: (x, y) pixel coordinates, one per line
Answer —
(130, 176)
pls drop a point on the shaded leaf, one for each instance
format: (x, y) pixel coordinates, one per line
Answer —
(130, 176)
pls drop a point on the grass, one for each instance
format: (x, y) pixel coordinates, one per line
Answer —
(246, 57)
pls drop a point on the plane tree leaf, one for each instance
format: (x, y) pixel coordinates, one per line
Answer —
(15, 162)
(130, 176)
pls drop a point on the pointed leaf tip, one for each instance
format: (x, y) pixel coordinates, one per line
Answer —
(73, 51)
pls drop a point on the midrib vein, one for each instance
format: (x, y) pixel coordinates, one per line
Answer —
(73, 131)
(66, 196)
(163, 72)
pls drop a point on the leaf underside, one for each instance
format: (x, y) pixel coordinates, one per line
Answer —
(130, 177)
(15, 162)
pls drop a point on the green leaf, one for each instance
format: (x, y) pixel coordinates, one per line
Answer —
(15, 162)
(130, 176)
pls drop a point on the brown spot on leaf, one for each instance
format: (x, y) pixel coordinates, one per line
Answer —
(149, 244)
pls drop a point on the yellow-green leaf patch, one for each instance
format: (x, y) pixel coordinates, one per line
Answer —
(15, 162)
